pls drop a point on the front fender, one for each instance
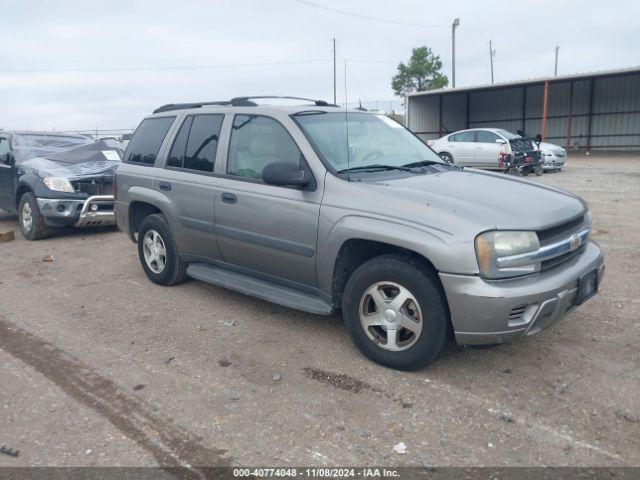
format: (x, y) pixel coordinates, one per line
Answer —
(446, 252)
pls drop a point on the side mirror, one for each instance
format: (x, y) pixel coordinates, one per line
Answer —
(6, 158)
(538, 139)
(286, 174)
(501, 141)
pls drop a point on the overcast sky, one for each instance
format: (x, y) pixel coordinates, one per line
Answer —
(82, 64)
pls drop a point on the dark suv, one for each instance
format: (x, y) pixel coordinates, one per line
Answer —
(56, 180)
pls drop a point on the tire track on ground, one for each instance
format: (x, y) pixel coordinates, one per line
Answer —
(170, 444)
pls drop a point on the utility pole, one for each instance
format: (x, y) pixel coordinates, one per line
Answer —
(555, 71)
(491, 54)
(334, 71)
(454, 25)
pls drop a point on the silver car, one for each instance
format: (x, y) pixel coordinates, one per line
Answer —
(482, 148)
(555, 157)
(324, 210)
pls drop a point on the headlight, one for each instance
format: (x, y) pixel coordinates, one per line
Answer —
(58, 184)
(490, 246)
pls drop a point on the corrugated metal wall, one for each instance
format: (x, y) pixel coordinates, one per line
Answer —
(600, 113)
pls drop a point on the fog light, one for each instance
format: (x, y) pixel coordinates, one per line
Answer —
(94, 207)
(61, 208)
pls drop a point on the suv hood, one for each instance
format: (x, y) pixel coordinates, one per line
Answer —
(485, 200)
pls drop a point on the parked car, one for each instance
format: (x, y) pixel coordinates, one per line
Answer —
(54, 180)
(555, 157)
(483, 147)
(321, 209)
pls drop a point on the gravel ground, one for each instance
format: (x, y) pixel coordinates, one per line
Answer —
(100, 367)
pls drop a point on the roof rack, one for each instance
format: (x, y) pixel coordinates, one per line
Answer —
(248, 101)
(238, 102)
(182, 106)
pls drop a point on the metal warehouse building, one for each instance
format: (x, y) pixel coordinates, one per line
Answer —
(595, 111)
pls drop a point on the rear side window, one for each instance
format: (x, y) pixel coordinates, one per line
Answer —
(147, 140)
(196, 144)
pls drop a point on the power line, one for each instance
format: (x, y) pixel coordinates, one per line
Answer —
(364, 17)
(152, 68)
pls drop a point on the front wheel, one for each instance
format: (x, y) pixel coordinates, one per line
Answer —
(30, 218)
(538, 170)
(395, 312)
(158, 252)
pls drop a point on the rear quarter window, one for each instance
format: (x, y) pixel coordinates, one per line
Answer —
(147, 140)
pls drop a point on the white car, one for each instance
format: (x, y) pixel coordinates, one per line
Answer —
(482, 147)
(555, 157)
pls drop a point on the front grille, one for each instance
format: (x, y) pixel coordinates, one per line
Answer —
(547, 264)
(94, 187)
(560, 232)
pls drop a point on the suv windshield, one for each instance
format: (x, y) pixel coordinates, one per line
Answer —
(28, 146)
(355, 141)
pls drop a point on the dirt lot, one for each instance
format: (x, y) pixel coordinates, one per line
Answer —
(101, 367)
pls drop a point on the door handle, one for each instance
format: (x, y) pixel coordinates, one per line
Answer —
(229, 197)
(166, 186)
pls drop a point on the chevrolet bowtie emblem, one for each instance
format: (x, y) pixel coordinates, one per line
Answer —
(576, 241)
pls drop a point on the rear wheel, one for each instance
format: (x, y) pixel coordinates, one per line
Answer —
(395, 312)
(30, 219)
(158, 252)
(447, 157)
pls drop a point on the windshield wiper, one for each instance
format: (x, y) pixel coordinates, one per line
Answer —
(375, 167)
(424, 163)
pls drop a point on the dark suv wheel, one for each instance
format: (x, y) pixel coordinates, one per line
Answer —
(395, 312)
(30, 219)
(158, 252)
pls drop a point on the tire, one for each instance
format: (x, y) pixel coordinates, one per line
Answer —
(30, 218)
(538, 170)
(447, 157)
(170, 271)
(382, 275)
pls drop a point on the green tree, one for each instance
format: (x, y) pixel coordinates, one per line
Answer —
(421, 73)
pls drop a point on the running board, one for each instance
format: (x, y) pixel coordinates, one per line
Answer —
(263, 289)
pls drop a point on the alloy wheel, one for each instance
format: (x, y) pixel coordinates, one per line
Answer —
(155, 252)
(390, 316)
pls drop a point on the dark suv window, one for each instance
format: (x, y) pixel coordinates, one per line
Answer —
(256, 142)
(196, 144)
(4, 145)
(147, 140)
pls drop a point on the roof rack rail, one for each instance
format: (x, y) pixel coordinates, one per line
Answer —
(238, 102)
(181, 106)
(247, 101)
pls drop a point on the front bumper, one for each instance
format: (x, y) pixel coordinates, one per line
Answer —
(484, 312)
(553, 162)
(94, 211)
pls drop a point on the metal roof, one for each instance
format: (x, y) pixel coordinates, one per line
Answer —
(532, 81)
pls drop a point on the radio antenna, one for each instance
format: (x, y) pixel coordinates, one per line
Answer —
(346, 118)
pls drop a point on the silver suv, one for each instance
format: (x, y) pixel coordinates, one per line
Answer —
(322, 209)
